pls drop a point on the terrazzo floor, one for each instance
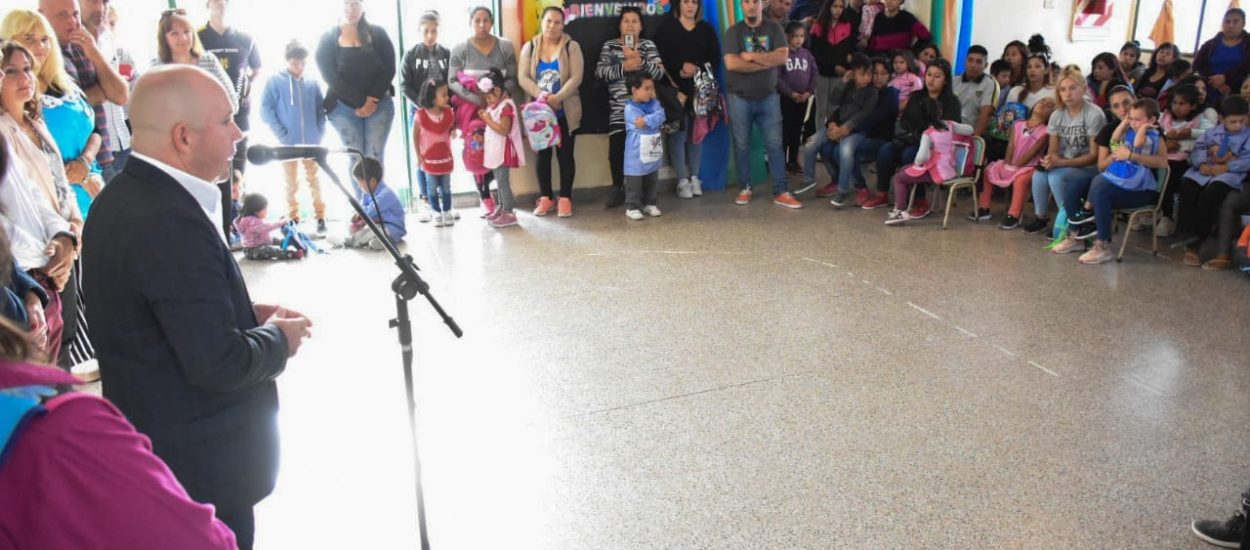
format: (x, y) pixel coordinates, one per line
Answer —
(754, 377)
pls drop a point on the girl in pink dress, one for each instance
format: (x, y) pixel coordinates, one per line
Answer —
(1024, 150)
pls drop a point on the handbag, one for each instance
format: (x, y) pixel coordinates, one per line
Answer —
(674, 103)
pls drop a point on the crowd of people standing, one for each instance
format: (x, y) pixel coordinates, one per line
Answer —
(844, 81)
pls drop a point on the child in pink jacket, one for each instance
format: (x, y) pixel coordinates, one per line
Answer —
(257, 234)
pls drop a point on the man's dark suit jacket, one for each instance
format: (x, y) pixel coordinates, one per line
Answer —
(179, 348)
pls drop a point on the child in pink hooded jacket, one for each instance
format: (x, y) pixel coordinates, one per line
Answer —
(257, 233)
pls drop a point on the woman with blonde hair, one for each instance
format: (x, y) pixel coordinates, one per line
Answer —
(1072, 154)
(69, 117)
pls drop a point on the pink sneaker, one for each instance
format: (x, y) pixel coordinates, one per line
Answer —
(564, 207)
(488, 208)
(504, 219)
(544, 206)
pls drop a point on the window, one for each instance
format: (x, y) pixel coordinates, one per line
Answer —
(1193, 26)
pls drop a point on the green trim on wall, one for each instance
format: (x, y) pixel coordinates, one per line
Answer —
(937, 15)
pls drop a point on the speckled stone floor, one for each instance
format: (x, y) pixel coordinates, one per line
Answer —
(754, 377)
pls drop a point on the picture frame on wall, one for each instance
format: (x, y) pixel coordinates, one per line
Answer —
(1091, 20)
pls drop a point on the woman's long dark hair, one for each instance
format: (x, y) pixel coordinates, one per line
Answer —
(825, 15)
(1045, 74)
(1154, 58)
(948, 87)
(1112, 62)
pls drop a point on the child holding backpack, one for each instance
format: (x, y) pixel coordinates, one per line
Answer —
(503, 145)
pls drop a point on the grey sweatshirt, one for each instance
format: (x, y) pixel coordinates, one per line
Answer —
(852, 107)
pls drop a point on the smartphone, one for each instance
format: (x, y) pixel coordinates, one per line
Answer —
(629, 41)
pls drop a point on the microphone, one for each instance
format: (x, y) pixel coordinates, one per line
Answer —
(263, 154)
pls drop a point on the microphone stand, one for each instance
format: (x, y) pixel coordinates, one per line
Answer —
(406, 287)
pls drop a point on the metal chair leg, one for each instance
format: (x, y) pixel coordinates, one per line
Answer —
(1124, 237)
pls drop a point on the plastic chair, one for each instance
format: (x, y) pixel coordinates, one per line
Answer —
(963, 180)
(1161, 175)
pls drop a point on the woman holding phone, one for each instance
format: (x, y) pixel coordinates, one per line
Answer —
(619, 56)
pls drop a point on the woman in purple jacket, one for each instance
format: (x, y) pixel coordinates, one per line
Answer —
(1226, 58)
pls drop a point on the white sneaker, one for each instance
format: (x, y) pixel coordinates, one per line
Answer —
(423, 214)
(1166, 227)
(696, 186)
(449, 218)
(653, 211)
(376, 244)
(897, 217)
(455, 215)
(1143, 223)
(684, 190)
(437, 218)
(635, 215)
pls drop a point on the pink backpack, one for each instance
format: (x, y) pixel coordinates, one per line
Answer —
(540, 124)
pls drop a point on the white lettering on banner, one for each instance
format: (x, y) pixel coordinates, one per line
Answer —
(573, 11)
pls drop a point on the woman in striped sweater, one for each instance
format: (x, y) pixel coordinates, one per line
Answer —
(618, 57)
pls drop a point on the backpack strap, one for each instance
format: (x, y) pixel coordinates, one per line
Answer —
(16, 413)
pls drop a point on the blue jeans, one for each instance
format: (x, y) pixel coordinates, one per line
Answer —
(119, 163)
(423, 184)
(367, 135)
(839, 157)
(1107, 197)
(439, 189)
(890, 156)
(685, 155)
(1055, 181)
(866, 151)
(766, 113)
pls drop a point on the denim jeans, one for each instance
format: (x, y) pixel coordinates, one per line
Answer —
(439, 189)
(119, 164)
(683, 153)
(890, 156)
(423, 184)
(839, 157)
(1107, 197)
(367, 135)
(765, 113)
(1055, 181)
(866, 151)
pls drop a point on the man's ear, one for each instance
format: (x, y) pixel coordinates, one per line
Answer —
(181, 138)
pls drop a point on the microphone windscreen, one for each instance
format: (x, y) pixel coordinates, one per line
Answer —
(259, 154)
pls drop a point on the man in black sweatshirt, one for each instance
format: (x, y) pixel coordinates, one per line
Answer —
(847, 112)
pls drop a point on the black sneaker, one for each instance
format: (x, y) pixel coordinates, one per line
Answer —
(617, 199)
(1225, 534)
(1010, 222)
(1038, 225)
(979, 215)
(1081, 218)
(321, 226)
(840, 198)
(1082, 232)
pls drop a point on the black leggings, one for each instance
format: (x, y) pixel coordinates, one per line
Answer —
(564, 155)
(1235, 205)
(616, 158)
(1179, 167)
(1200, 208)
(482, 181)
(792, 115)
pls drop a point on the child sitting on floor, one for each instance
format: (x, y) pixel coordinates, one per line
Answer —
(257, 234)
(382, 206)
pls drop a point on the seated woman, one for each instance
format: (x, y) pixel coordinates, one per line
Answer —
(1151, 82)
(1072, 153)
(1128, 182)
(1105, 75)
(70, 119)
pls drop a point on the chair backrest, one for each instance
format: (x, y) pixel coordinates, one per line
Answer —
(1161, 182)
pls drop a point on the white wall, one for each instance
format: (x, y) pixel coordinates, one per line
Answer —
(997, 22)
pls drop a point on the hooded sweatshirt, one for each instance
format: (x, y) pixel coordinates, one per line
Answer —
(293, 108)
